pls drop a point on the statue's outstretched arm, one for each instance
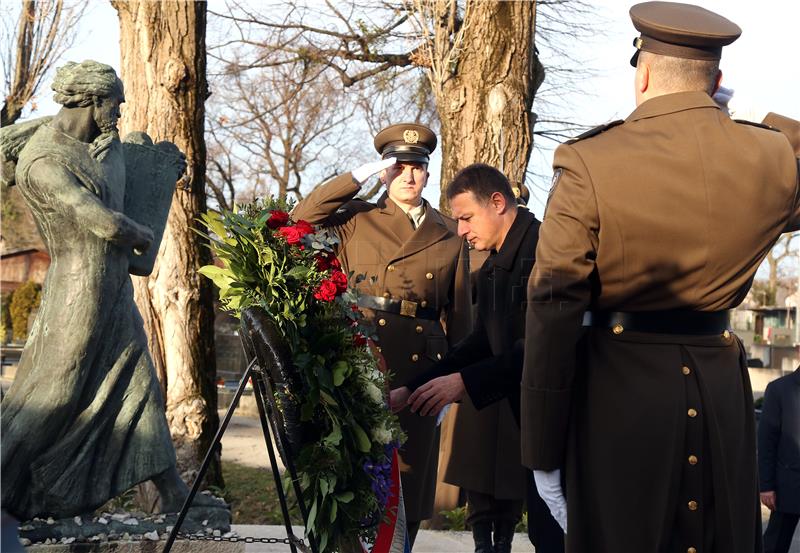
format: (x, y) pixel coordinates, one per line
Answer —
(63, 191)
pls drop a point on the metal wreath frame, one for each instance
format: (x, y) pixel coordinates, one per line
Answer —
(273, 375)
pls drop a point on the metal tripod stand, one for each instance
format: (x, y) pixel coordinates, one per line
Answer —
(267, 357)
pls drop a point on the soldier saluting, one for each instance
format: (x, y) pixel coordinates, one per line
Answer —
(417, 271)
(633, 384)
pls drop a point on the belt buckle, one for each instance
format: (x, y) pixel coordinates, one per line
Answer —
(408, 308)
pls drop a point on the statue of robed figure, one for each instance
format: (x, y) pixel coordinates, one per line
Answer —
(84, 420)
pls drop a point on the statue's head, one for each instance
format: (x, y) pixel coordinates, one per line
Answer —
(90, 83)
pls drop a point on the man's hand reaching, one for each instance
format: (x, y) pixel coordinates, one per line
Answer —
(430, 398)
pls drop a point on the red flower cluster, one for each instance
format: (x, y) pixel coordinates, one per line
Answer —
(326, 291)
(359, 339)
(277, 219)
(294, 234)
(339, 279)
(327, 261)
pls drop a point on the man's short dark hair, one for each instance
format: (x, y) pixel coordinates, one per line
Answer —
(483, 181)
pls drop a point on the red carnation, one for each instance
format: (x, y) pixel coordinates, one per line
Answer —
(277, 219)
(295, 233)
(326, 291)
(327, 261)
(340, 280)
(359, 340)
(305, 227)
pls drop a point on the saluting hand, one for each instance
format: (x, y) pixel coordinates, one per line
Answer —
(431, 397)
(368, 169)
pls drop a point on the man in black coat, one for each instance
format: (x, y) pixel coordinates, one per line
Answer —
(779, 460)
(487, 365)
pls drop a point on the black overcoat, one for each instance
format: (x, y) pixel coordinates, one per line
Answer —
(779, 442)
(490, 362)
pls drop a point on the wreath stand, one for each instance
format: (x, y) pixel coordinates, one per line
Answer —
(268, 367)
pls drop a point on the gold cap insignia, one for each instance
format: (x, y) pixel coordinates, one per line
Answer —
(410, 136)
(516, 191)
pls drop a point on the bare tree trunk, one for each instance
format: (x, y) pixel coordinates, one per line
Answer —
(163, 60)
(485, 104)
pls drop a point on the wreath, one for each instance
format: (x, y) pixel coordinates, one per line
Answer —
(289, 269)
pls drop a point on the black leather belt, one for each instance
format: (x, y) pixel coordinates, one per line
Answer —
(401, 307)
(660, 322)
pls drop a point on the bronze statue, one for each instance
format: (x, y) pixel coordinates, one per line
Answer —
(84, 420)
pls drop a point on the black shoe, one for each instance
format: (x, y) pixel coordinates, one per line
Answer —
(482, 535)
(503, 535)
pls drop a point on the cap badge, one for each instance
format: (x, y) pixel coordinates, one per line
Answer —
(410, 136)
(516, 191)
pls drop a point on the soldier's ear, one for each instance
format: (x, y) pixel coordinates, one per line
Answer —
(717, 82)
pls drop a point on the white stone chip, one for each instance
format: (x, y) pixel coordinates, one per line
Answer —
(126, 536)
(25, 542)
(102, 520)
(131, 522)
(153, 536)
(67, 540)
(217, 533)
(78, 521)
(27, 527)
(205, 522)
(50, 520)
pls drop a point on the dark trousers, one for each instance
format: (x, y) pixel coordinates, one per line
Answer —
(543, 530)
(779, 533)
(482, 507)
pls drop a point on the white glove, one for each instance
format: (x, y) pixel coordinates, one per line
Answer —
(548, 484)
(368, 169)
(722, 96)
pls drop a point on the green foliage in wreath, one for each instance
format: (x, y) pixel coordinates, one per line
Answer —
(289, 269)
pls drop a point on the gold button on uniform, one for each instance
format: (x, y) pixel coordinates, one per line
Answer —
(382, 322)
(439, 356)
(692, 505)
(692, 459)
(686, 370)
(415, 357)
(691, 550)
(617, 329)
(390, 268)
(429, 276)
(726, 334)
(692, 413)
(423, 303)
(418, 329)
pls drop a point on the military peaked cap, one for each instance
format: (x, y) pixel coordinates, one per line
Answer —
(406, 142)
(681, 30)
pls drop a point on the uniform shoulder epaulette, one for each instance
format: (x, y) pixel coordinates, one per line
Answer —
(754, 124)
(595, 131)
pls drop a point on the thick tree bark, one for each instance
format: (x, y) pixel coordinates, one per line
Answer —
(163, 59)
(485, 104)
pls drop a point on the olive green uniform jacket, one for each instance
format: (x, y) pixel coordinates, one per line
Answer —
(675, 208)
(428, 265)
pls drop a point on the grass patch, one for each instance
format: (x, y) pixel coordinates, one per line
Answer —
(252, 496)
